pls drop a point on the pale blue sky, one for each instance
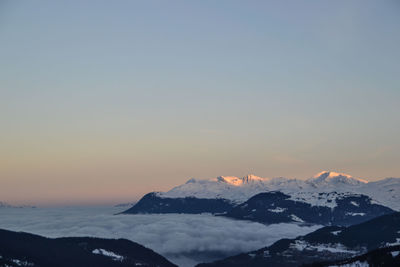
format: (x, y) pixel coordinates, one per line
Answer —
(102, 101)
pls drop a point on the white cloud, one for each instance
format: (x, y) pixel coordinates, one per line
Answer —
(184, 239)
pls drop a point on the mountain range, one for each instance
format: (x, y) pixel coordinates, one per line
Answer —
(386, 191)
(328, 198)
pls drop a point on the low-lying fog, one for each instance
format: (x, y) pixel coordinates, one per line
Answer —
(183, 239)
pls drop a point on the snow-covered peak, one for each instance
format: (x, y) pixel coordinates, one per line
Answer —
(336, 178)
(232, 180)
(238, 190)
(330, 174)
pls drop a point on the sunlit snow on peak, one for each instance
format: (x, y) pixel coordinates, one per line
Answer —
(329, 174)
(232, 180)
(326, 176)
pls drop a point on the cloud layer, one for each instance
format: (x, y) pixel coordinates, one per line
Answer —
(184, 239)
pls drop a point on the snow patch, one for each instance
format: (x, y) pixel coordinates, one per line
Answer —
(21, 263)
(353, 264)
(266, 254)
(355, 213)
(334, 248)
(295, 218)
(325, 199)
(397, 242)
(336, 232)
(355, 203)
(277, 210)
(107, 253)
(395, 253)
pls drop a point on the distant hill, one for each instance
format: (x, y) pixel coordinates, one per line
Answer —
(6, 205)
(125, 205)
(23, 249)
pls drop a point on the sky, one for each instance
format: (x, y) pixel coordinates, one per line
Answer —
(102, 102)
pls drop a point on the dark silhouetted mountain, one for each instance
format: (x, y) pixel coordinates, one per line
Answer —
(152, 203)
(330, 243)
(276, 207)
(23, 249)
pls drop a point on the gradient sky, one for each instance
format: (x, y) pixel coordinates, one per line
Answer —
(103, 101)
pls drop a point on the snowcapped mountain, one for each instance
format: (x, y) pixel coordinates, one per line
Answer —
(326, 178)
(328, 198)
(232, 188)
(238, 190)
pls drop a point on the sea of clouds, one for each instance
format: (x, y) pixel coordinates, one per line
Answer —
(183, 239)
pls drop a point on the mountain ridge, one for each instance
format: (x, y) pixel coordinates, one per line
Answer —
(25, 249)
(239, 190)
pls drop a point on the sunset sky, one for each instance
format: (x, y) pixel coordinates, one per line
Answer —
(104, 101)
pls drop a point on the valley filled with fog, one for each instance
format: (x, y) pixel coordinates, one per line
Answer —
(184, 239)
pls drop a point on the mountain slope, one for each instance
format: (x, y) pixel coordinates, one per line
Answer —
(23, 249)
(325, 244)
(276, 207)
(382, 257)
